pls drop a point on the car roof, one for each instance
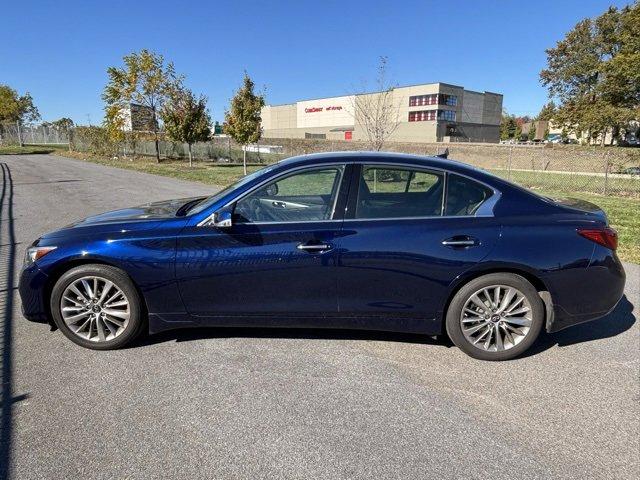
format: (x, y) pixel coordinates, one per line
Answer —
(391, 158)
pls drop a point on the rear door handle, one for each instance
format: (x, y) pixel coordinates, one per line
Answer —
(460, 241)
(314, 247)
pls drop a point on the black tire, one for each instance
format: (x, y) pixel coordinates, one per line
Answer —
(119, 278)
(454, 312)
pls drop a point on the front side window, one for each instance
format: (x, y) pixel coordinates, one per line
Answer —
(390, 192)
(464, 196)
(305, 196)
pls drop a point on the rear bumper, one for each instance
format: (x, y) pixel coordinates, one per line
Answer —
(595, 292)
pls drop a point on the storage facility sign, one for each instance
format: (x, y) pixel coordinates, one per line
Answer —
(326, 112)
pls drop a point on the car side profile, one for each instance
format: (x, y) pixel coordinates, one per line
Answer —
(353, 240)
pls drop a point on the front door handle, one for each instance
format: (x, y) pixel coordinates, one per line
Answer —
(461, 241)
(314, 247)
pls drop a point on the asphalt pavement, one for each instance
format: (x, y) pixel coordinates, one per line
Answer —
(304, 404)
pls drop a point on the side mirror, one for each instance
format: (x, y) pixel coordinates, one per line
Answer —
(222, 219)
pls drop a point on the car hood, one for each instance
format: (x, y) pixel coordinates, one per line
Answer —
(143, 217)
(149, 211)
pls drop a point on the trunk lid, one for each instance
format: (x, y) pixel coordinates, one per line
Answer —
(580, 205)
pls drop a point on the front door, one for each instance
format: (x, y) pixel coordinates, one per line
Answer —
(278, 258)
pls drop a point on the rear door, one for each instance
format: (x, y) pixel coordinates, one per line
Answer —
(405, 240)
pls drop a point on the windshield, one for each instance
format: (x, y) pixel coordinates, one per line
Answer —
(214, 198)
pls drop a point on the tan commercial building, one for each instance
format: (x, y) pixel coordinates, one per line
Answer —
(433, 112)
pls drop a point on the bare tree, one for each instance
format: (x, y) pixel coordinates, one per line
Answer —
(375, 112)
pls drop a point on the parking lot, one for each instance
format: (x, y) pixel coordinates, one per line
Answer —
(263, 403)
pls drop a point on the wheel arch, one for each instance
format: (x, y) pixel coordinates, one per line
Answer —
(60, 269)
(528, 274)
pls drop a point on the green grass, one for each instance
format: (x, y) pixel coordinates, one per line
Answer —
(31, 149)
(626, 186)
(623, 212)
(205, 172)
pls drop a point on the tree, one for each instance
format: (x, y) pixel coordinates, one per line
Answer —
(594, 73)
(18, 109)
(64, 124)
(375, 112)
(547, 112)
(114, 124)
(508, 126)
(242, 121)
(186, 119)
(145, 80)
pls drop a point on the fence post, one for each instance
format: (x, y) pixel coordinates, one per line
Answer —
(606, 173)
(20, 142)
(509, 162)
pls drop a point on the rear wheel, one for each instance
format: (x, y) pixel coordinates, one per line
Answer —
(495, 317)
(97, 307)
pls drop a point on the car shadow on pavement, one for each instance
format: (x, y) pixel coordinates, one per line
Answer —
(618, 321)
(202, 333)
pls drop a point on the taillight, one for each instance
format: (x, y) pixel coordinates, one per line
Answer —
(607, 237)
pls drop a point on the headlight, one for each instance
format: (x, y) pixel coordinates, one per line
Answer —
(34, 253)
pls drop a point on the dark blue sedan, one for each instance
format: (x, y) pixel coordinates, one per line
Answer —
(340, 240)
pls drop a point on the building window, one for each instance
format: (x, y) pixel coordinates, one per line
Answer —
(315, 135)
(451, 100)
(421, 100)
(433, 99)
(448, 115)
(422, 116)
(431, 115)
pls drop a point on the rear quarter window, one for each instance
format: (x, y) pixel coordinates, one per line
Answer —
(464, 196)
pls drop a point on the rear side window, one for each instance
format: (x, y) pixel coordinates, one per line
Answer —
(464, 196)
(388, 192)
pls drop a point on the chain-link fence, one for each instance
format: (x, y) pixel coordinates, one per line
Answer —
(220, 149)
(606, 171)
(547, 168)
(15, 134)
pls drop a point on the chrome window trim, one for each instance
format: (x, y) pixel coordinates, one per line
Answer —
(485, 210)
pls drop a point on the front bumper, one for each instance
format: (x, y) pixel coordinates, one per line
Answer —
(32, 288)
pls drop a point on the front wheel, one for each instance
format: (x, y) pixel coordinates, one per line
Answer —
(97, 307)
(495, 317)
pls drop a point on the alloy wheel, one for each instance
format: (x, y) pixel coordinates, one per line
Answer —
(496, 318)
(95, 309)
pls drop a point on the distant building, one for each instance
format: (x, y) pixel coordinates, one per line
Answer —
(433, 112)
(217, 129)
(138, 118)
(541, 128)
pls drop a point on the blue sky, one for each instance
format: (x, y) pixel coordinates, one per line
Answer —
(59, 51)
